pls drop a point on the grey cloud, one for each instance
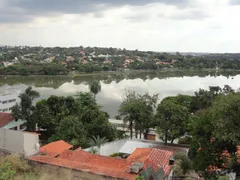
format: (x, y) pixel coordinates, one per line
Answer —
(234, 2)
(48, 7)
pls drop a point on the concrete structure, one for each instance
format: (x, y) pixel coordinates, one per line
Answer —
(24, 143)
(8, 99)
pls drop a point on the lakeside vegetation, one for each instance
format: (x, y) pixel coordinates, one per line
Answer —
(24, 60)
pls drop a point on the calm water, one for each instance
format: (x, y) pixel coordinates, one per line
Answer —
(115, 86)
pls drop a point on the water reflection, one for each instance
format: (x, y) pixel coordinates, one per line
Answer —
(114, 86)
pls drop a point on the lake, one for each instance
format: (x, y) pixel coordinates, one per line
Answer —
(114, 86)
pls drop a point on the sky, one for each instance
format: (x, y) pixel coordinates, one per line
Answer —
(156, 25)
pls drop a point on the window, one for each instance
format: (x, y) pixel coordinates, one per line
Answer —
(4, 110)
(4, 102)
(12, 100)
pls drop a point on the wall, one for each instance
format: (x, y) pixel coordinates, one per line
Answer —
(112, 147)
(18, 142)
(31, 144)
(11, 141)
(74, 174)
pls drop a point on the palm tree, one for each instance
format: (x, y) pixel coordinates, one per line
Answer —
(94, 87)
(97, 141)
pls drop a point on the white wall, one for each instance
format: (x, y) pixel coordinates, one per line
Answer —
(31, 144)
(112, 147)
(18, 142)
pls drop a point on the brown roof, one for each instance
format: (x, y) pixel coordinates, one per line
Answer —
(55, 148)
(5, 118)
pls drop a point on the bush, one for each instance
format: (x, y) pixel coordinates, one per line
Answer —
(6, 171)
(116, 154)
(184, 162)
(185, 140)
(17, 163)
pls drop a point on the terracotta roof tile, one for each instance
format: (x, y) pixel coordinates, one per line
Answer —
(5, 118)
(55, 148)
(157, 158)
(84, 161)
(109, 166)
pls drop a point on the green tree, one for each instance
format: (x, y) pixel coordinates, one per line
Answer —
(137, 111)
(95, 87)
(25, 109)
(171, 119)
(225, 112)
(72, 130)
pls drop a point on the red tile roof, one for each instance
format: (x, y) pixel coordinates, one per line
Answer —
(5, 118)
(55, 148)
(104, 165)
(158, 158)
(84, 161)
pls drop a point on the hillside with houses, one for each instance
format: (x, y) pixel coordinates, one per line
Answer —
(27, 60)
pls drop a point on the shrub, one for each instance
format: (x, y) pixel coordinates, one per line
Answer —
(185, 140)
(6, 171)
(185, 162)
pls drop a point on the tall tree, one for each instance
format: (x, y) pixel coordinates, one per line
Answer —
(171, 119)
(137, 111)
(25, 109)
(95, 87)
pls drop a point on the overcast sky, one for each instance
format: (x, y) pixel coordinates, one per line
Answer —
(158, 25)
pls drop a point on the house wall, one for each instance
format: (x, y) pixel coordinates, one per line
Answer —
(31, 144)
(18, 142)
(74, 174)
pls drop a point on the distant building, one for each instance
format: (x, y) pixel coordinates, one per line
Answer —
(8, 99)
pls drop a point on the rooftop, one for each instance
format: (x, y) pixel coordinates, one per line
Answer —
(55, 148)
(104, 165)
(157, 158)
(5, 118)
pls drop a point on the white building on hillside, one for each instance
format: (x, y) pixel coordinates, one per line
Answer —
(8, 99)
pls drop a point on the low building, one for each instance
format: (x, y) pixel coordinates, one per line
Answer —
(7, 121)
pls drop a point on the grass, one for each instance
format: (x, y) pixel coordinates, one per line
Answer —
(24, 171)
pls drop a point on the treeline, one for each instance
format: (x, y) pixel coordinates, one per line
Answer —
(34, 69)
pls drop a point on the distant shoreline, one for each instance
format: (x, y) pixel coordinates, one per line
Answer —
(98, 73)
